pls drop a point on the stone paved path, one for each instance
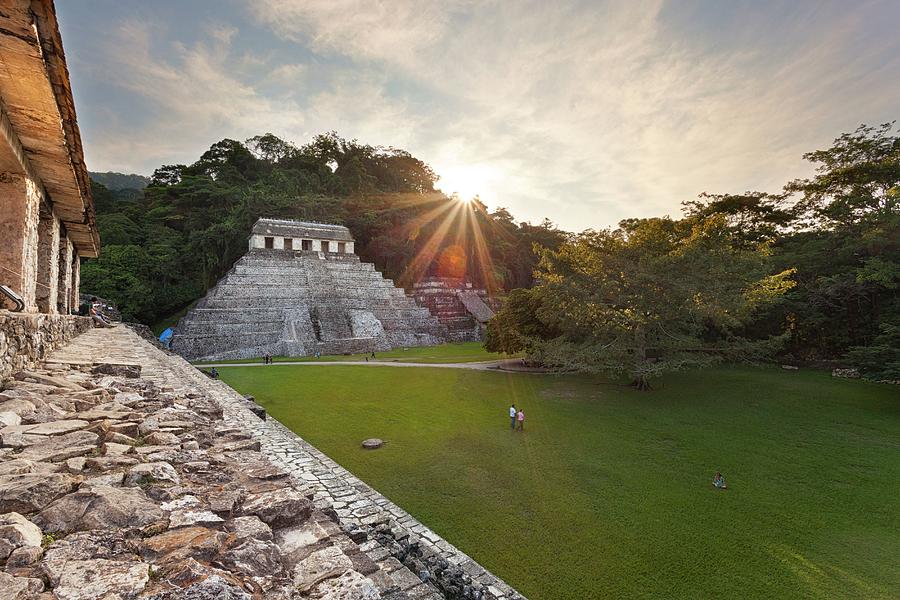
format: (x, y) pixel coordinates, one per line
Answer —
(356, 503)
(492, 365)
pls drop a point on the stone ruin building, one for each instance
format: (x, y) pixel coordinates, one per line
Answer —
(301, 289)
(127, 473)
(459, 306)
(47, 219)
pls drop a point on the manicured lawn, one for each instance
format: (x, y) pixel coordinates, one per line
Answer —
(445, 353)
(607, 493)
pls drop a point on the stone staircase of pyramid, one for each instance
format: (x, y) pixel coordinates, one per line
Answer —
(298, 303)
(457, 305)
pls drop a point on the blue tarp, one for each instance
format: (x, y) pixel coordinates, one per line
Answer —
(166, 336)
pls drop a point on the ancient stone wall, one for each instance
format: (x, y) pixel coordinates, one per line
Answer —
(148, 480)
(27, 338)
(76, 282)
(44, 186)
(33, 236)
(64, 281)
(48, 262)
(19, 232)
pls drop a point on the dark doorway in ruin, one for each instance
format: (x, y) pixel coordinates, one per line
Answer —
(342, 247)
(306, 245)
(326, 247)
(270, 243)
(288, 244)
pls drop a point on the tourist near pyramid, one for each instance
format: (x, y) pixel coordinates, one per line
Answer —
(301, 289)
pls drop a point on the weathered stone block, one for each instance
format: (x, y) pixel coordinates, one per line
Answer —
(278, 508)
(110, 508)
(29, 492)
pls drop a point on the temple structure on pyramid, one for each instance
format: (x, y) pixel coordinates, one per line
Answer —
(301, 289)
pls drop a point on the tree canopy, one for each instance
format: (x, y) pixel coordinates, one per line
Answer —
(651, 296)
(164, 246)
(812, 270)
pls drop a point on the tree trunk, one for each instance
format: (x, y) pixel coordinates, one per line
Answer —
(640, 358)
(640, 382)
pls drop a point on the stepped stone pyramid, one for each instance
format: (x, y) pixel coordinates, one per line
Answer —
(461, 308)
(298, 290)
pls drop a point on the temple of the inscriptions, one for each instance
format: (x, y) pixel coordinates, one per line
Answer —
(301, 289)
(47, 219)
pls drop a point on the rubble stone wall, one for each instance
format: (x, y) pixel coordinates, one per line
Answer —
(27, 338)
(30, 243)
(127, 473)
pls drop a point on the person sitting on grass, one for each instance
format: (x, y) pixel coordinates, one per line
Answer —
(719, 481)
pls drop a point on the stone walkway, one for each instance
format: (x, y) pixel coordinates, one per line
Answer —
(493, 365)
(357, 505)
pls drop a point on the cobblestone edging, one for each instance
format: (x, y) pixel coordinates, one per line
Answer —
(361, 510)
(26, 338)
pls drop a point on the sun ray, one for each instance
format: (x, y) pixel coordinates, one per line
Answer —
(483, 260)
(426, 218)
(426, 255)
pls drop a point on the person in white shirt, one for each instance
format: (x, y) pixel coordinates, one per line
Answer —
(512, 416)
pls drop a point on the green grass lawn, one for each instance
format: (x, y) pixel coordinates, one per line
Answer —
(445, 353)
(607, 493)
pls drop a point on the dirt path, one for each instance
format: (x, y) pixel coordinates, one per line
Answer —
(492, 365)
(506, 365)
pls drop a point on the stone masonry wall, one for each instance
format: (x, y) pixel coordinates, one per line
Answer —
(30, 244)
(27, 338)
(48, 262)
(191, 453)
(462, 309)
(64, 281)
(19, 235)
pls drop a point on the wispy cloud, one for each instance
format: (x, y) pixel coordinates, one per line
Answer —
(590, 113)
(583, 112)
(192, 93)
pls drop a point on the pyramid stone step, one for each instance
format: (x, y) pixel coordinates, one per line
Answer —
(296, 303)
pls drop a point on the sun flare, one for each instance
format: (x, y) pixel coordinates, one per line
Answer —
(466, 181)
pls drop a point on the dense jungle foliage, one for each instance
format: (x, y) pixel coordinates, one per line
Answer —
(163, 246)
(811, 273)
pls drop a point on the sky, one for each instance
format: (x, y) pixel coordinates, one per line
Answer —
(581, 112)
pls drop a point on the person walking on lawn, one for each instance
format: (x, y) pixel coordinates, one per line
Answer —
(521, 418)
(512, 417)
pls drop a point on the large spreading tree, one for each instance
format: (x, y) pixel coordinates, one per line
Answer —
(654, 295)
